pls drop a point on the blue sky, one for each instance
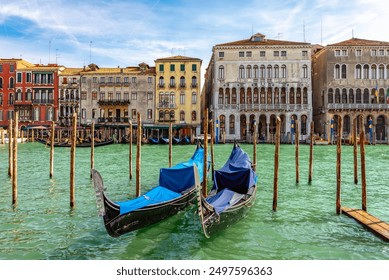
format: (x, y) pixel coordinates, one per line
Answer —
(127, 32)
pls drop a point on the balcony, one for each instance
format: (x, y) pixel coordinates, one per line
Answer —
(113, 120)
(182, 85)
(166, 105)
(194, 85)
(114, 102)
(161, 85)
(358, 106)
(43, 101)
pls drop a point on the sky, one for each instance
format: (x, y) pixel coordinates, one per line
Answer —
(125, 33)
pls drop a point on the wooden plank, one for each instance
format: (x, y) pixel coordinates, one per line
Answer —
(378, 227)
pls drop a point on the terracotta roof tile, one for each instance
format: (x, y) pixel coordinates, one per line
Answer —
(177, 58)
(360, 42)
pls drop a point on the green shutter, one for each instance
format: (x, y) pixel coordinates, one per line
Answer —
(161, 68)
(172, 67)
(194, 67)
(182, 67)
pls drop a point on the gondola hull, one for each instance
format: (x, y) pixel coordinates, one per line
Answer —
(212, 222)
(117, 225)
(79, 145)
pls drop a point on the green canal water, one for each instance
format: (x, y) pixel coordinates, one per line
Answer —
(305, 225)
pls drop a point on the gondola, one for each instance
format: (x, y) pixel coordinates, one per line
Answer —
(84, 144)
(176, 190)
(153, 140)
(232, 195)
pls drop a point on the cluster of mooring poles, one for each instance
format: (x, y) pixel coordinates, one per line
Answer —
(277, 157)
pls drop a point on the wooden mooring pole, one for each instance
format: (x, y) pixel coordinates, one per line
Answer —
(355, 151)
(311, 154)
(255, 146)
(73, 160)
(338, 165)
(130, 151)
(205, 177)
(10, 148)
(138, 155)
(212, 148)
(297, 136)
(276, 163)
(363, 167)
(170, 143)
(92, 148)
(52, 149)
(15, 161)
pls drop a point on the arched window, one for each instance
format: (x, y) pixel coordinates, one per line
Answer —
(366, 96)
(233, 96)
(227, 96)
(255, 97)
(249, 72)
(262, 72)
(194, 81)
(351, 96)
(269, 73)
(283, 71)
(161, 82)
(241, 72)
(337, 71)
(221, 72)
(222, 124)
(11, 82)
(194, 116)
(291, 96)
(220, 100)
(344, 96)
(19, 95)
(182, 81)
(303, 126)
(305, 71)
(330, 96)
(337, 96)
(358, 71)
(381, 72)
(1, 82)
(283, 95)
(194, 98)
(256, 72)
(344, 71)
(242, 95)
(232, 124)
(298, 96)
(269, 95)
(305, 95)
(365, 71)
(358, 96)
(374, 71)
(161, 115)
(182, 116)
(172, 115)
(172, 82)
(276, 71)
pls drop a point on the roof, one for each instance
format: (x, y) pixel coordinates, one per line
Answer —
(360, 42)
(20, 63)
(71, 71)
(259, 39)
(116, 70)
(177, 58)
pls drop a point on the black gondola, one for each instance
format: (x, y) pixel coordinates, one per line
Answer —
(232, 195)
(176, 190)
(83, 144)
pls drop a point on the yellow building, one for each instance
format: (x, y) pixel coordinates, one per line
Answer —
(178, 95)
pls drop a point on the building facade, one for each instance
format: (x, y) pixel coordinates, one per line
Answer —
(351, 81)
(259, 79)
(30, 89)
(178, 82)
(69, 95)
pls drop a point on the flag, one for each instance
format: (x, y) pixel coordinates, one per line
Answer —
(387, 96)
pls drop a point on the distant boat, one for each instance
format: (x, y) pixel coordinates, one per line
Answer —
(84, 144)
(163, 140)
(175, 191)
(232, 195)
(20, 140)
(184, 140)
(153, 140)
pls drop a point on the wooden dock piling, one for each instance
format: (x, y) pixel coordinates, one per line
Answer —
(92, 148)
(212, 148)
(10, 148)
(52, 136)
(355, 144)
(311, 154)
(363, 170)
(170, 143)
(15, 160)
(138, 155)
(205, 177)
(73, 160)
(130, 150)
(276, 163)
(297, 137)
(338, 165)
(255, 146)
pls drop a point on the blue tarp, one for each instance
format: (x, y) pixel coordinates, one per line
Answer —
(156, 195)
(172, 181)
(236, 174)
